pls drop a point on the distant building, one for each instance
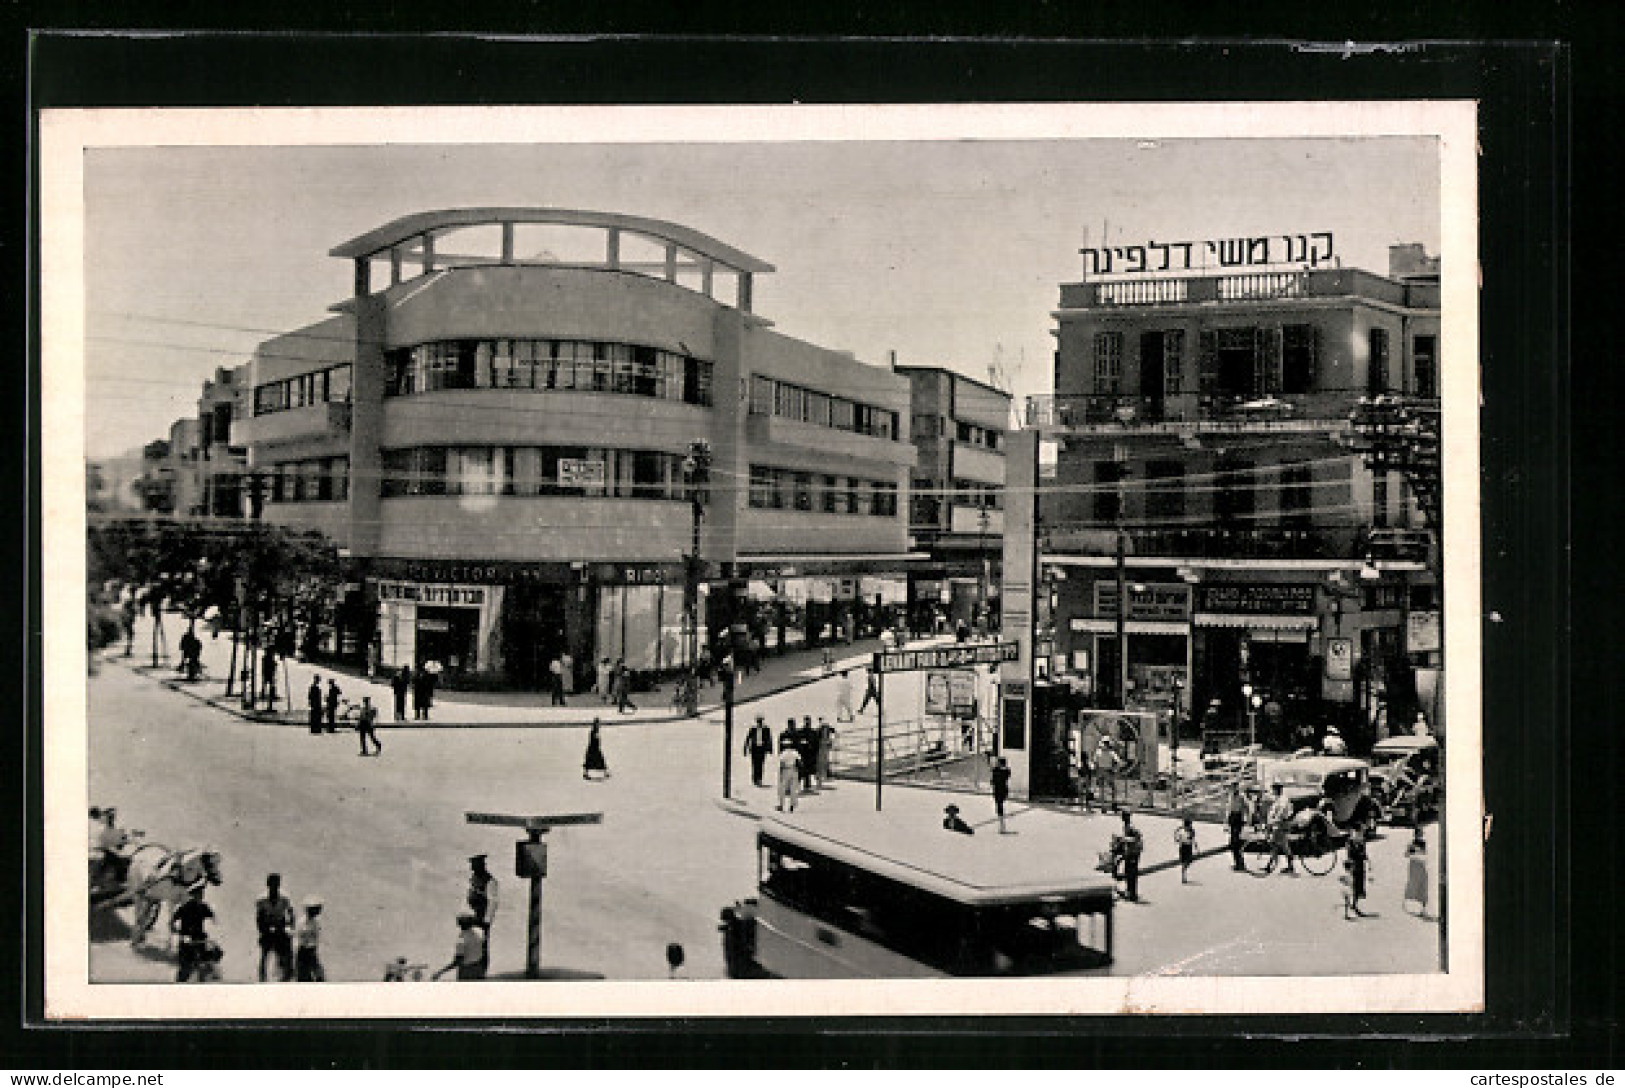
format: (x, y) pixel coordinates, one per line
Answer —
(959, 428)
(1204, 473)
(222, 470)
(494, 429)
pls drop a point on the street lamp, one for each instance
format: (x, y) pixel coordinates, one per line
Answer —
(1253, 703)
(696, 476)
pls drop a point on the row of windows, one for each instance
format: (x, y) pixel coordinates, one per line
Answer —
(977, 495)
(1165, 490)
(533, 470)
(979, 436)
(317, 387)
(770, 397)
(787, 489)
(1251, 361)
(593, 366)
(320, 479)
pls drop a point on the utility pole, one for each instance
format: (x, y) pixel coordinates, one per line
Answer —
(697, 474)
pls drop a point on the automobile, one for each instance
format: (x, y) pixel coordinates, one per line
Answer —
(1339, 786)
(1405, 777)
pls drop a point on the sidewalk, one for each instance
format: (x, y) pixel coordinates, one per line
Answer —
(1058, 830)
(460, 709)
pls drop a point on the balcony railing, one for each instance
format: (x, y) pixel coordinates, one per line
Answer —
(1221, 411)
(1355, 544)
(1256, 286)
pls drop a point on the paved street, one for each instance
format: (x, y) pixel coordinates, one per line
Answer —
(385, 842)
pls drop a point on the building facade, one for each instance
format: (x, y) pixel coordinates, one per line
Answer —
(1212, 548)
(959, 427)
(494, 430)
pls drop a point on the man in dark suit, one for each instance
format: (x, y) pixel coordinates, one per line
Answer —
(758, 745)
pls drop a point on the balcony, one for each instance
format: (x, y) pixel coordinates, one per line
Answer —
(1354, 544)
(1185, 413)
(1103, 294)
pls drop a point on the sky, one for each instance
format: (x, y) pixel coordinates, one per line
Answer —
(948, 252)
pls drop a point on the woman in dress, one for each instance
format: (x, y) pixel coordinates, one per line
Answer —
(1416, 874)
(594, 760)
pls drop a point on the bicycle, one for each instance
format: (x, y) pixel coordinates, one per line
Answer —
(1311, 843)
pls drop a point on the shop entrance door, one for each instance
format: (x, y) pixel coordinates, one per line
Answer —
(533, 633)
(449, 636)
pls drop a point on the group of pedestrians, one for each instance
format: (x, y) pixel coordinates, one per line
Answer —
(612, 683)
(291, 946)
(471, 958)
(324, 714)
(804, 754)
(420, 684)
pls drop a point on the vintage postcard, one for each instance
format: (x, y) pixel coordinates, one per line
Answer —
(719, 561)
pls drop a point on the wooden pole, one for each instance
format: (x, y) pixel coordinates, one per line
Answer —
(533, 930)
(880, 729)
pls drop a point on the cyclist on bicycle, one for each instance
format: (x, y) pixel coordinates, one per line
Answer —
(1280, 824)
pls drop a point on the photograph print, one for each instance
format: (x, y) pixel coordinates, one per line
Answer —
(748, 561)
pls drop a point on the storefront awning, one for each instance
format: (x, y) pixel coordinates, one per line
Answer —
(1241, 619)
(1133, 627)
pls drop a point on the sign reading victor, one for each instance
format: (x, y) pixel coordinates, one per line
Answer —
(1259, 598)
(947, 657)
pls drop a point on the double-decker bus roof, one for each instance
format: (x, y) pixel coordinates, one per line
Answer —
(977, 870)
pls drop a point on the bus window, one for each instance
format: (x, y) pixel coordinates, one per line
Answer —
(1039, 938)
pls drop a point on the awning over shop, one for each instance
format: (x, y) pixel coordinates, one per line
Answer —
(794, 566)
(1236, 619)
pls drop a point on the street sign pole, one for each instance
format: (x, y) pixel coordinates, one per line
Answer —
(531, 862)
(533, 928)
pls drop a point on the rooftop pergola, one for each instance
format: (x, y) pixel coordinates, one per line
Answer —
(429, 242)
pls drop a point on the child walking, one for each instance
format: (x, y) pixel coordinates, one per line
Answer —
(1416, 874)
(1185, 837)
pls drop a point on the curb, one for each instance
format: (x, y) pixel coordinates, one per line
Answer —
(230, 706)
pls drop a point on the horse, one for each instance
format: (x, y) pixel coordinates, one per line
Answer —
(161, 877)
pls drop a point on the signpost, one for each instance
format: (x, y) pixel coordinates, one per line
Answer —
(530, 861)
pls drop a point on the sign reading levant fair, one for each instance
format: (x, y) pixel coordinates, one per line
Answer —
(947, 657)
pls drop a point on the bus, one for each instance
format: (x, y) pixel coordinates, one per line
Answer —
(846, 896)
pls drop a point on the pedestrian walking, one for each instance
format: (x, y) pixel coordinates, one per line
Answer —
(594, 759)
(471, 956)
(758, 745)
(1128, 844)
(1417, 883)
(826, 750)
(366, 727)
(569, 664)
(314, 698)
(1105, 768)
(999, 779)
(1235, 818)
(273, 918)
(600, 685)
(198, 954)
(422, 692)
(789, 768)
(334, 698)
(309, 954)
(482, 903)
(952, 822)
(807, 745)
(400, 684)
(871, 691)
(1185, 839)
(1346, 886)
(555, 669)
(128, 618)
(1358, 863)
(268, 674)
(843, 698)
(622, 683)
(1280, 823)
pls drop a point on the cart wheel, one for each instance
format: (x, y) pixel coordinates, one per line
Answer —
(1255, 853)
(1317, 853)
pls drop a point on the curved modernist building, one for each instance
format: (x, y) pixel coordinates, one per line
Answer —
(494, 426)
